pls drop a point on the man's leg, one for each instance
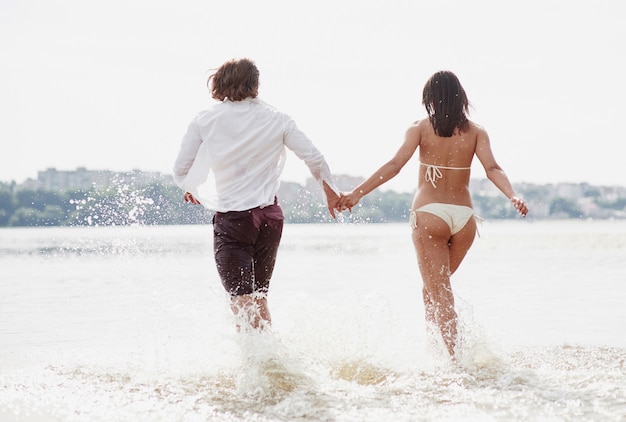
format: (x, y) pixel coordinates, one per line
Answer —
(251, 310)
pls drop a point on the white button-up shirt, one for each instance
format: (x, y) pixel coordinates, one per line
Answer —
(233, 154)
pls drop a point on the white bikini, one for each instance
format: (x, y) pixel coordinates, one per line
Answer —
(433, 173)
(456, 216)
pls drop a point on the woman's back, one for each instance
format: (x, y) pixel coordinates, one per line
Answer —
(445, 162)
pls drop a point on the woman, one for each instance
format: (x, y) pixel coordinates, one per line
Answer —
(230, 160)
(442, 218)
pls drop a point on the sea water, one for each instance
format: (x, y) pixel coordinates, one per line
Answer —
(132, 324)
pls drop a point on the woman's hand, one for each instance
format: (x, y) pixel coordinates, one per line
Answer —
(520, 205)
(347, 201)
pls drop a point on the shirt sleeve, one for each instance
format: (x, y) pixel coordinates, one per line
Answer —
(188, 150)
(304, 149)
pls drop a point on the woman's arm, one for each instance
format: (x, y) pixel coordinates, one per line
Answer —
(386, 172)
(495, 173)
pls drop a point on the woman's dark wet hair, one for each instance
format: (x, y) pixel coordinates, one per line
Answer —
(446, 103)
(235, 80)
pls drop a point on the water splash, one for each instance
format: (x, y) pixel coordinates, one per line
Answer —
(120, 204)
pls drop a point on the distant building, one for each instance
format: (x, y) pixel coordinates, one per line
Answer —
(83, 179)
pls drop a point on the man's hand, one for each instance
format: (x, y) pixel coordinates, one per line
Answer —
(331, 199)
(190, 198)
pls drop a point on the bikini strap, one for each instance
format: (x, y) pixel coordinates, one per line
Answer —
(433, 172)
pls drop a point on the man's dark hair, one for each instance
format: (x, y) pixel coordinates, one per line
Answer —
(235, 80)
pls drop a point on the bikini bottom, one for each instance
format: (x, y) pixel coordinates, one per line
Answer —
(456, 216)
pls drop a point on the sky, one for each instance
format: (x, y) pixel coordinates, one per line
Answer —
(112, 85)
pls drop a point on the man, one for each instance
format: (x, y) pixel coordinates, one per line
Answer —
(230, 161)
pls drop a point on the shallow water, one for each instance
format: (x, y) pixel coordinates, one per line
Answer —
(131, 323)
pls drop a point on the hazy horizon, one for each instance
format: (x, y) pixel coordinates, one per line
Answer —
(115, 84)
(303, 182)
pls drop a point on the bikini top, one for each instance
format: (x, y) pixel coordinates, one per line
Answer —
(433, 172)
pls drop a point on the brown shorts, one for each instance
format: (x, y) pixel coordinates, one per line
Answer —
(245, 244)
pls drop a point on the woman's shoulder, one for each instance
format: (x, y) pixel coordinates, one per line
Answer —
(475, 128)
(415, 129)
(420, 123)
(419, 126)
(422, 127)
(416, 132)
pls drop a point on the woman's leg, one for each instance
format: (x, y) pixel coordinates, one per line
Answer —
(460, 244)
(431, 239)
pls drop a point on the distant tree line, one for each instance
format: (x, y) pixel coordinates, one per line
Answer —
(153, 204)
(160, 203)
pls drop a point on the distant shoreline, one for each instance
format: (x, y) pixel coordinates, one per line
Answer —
(88, 197)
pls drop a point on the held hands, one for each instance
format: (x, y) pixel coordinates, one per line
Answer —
(520, 205)
(348, 201)
(340, 202)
